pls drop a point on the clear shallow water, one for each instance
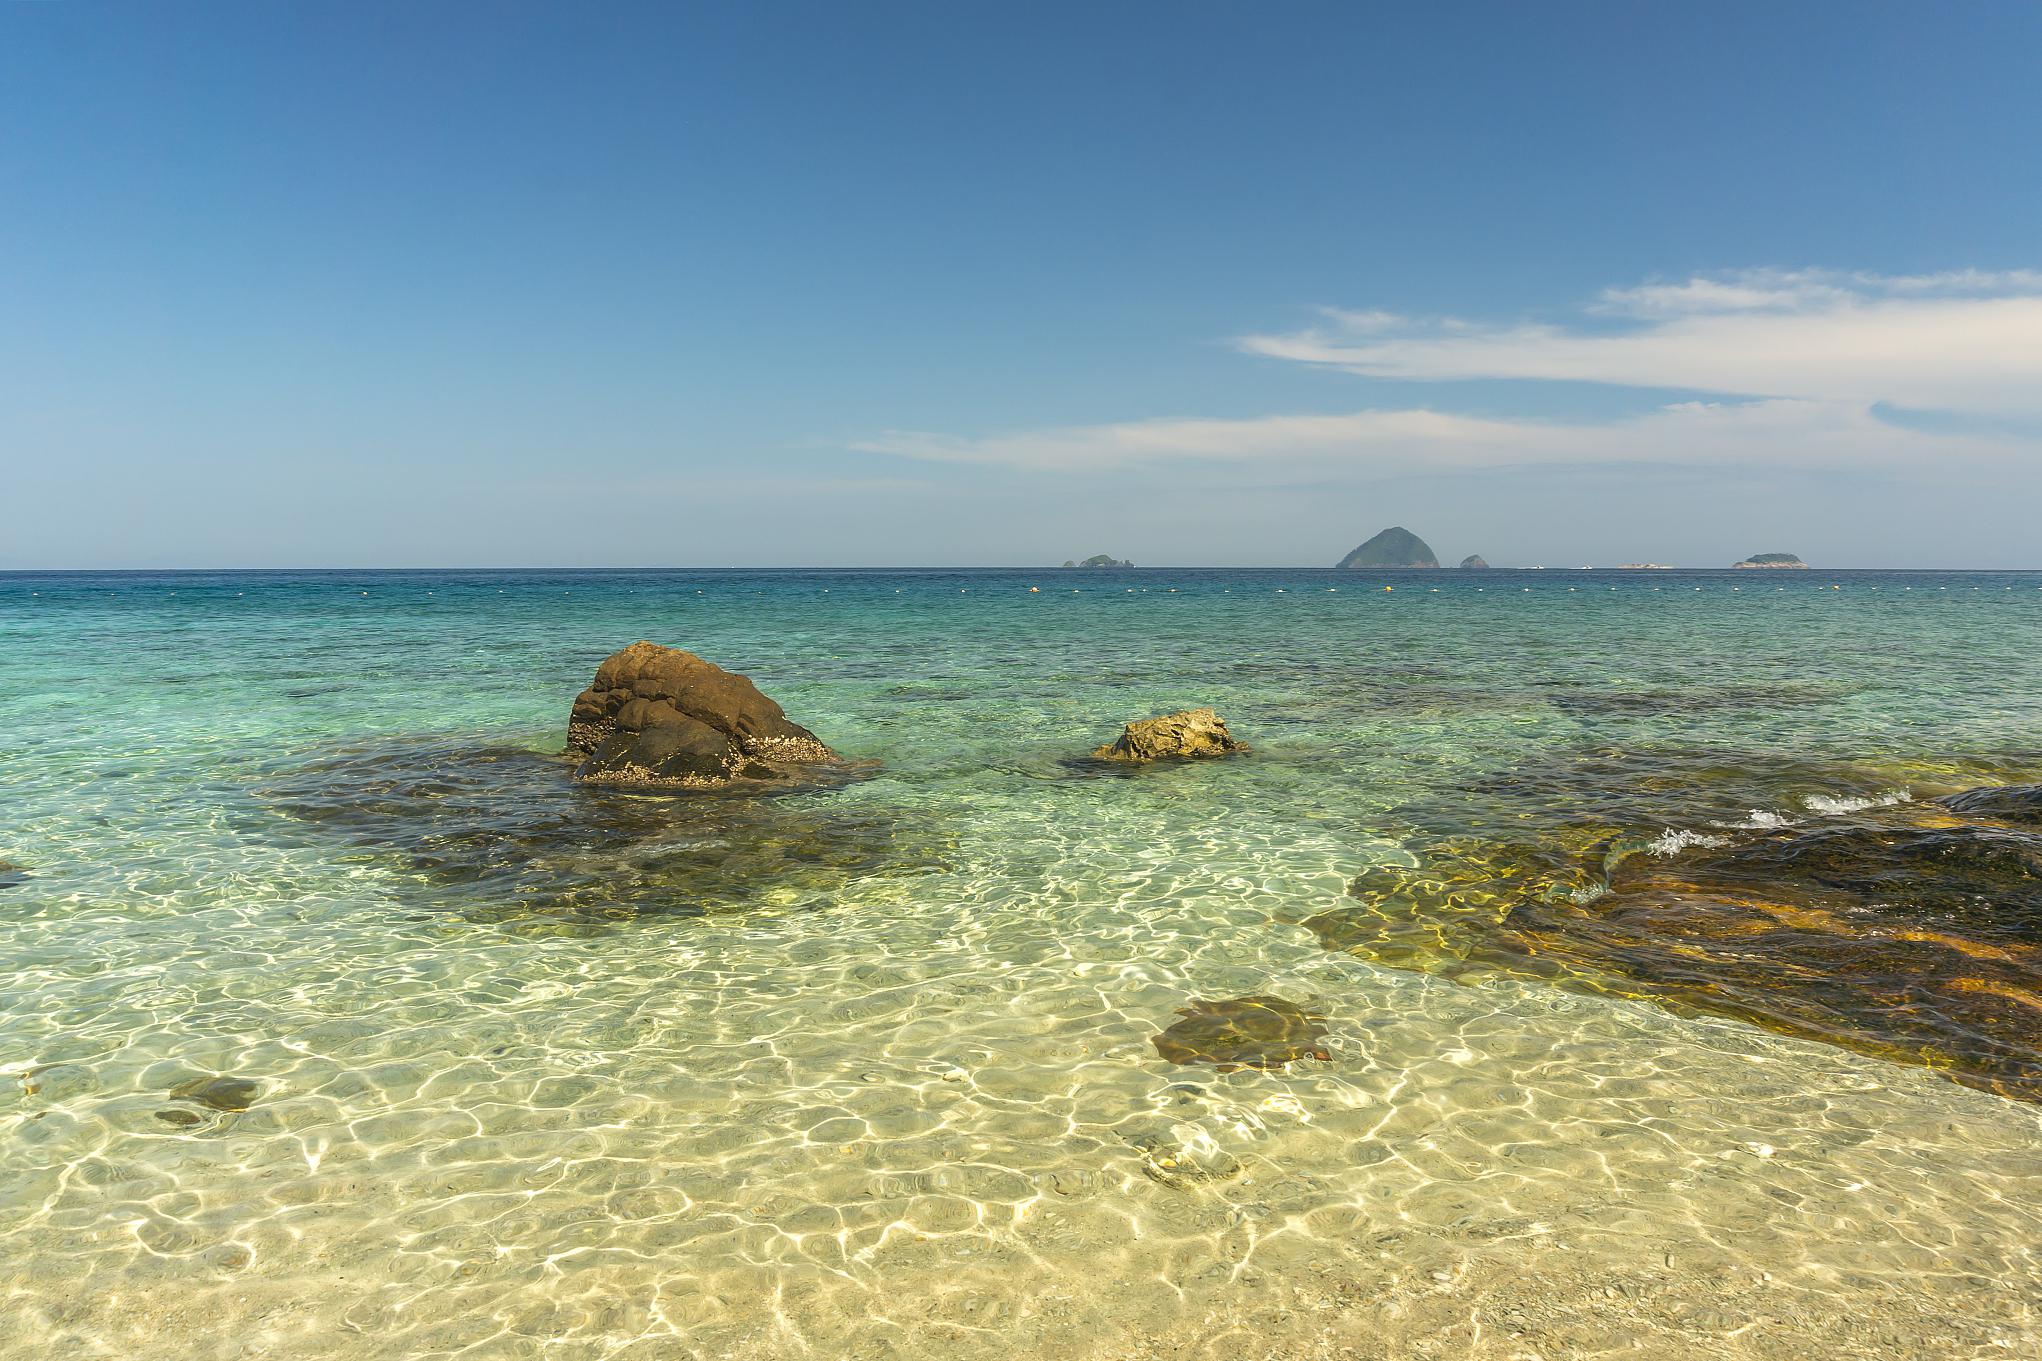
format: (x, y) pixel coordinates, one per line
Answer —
(871, 1070)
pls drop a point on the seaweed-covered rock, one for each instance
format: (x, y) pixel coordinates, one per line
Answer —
(1192, 732)
(660, 717)
(1904, 934)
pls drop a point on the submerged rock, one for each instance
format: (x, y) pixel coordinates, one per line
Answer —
(57, 1081)
(1244, 1032)
(218, 1092)
(509, 837)
(662, 718)
(1190, 732)
(1183, 1157)
(11, 874)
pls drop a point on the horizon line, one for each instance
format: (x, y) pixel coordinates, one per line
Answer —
(980, 567)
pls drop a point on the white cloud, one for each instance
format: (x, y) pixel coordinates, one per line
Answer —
(1805, 359)
(1967, 341)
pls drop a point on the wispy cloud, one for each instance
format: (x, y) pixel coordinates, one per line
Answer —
(1968, 341)
(1778, 290)
(1805, 434)
(1797, 366)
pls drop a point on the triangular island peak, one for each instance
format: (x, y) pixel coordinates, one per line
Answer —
(1394, 547)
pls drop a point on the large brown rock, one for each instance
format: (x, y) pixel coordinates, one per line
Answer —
(1193, 732)
(661, 717)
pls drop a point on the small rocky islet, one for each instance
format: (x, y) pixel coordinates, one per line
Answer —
(1397, 548)
(1393, 547)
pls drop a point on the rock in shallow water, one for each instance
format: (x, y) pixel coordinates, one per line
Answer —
(509, 837)
(1899, 930)
(659, 717)
(218, 1092)
(1190, 732)
(1244, 1032)
(1184, 1157)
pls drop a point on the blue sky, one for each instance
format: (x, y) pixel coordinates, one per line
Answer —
(391, 284)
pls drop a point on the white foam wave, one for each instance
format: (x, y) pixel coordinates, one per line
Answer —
(1832, 807)
(1760, 820)
(1677, 839)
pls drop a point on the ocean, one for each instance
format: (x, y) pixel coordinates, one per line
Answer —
(1609, 976)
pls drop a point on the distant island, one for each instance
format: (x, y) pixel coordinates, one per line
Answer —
(1100, 560)
(1644, 566)
(1787, 560)
(1475, 560)
(1394, 547)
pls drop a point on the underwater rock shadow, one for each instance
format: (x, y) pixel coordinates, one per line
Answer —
(503, 833)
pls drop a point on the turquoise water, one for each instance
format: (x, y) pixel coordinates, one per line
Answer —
(869, 1069)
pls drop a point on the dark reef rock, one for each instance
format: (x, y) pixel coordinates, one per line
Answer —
(1394, 547)
(1244, 1032)
(659, 717)
(1892, 932)
(1907, 930)
(1475, 561)
(1189, 733)
(11, 874)
(509, 838)
(1771, 560)
(2017, 803)
(1100, 560)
